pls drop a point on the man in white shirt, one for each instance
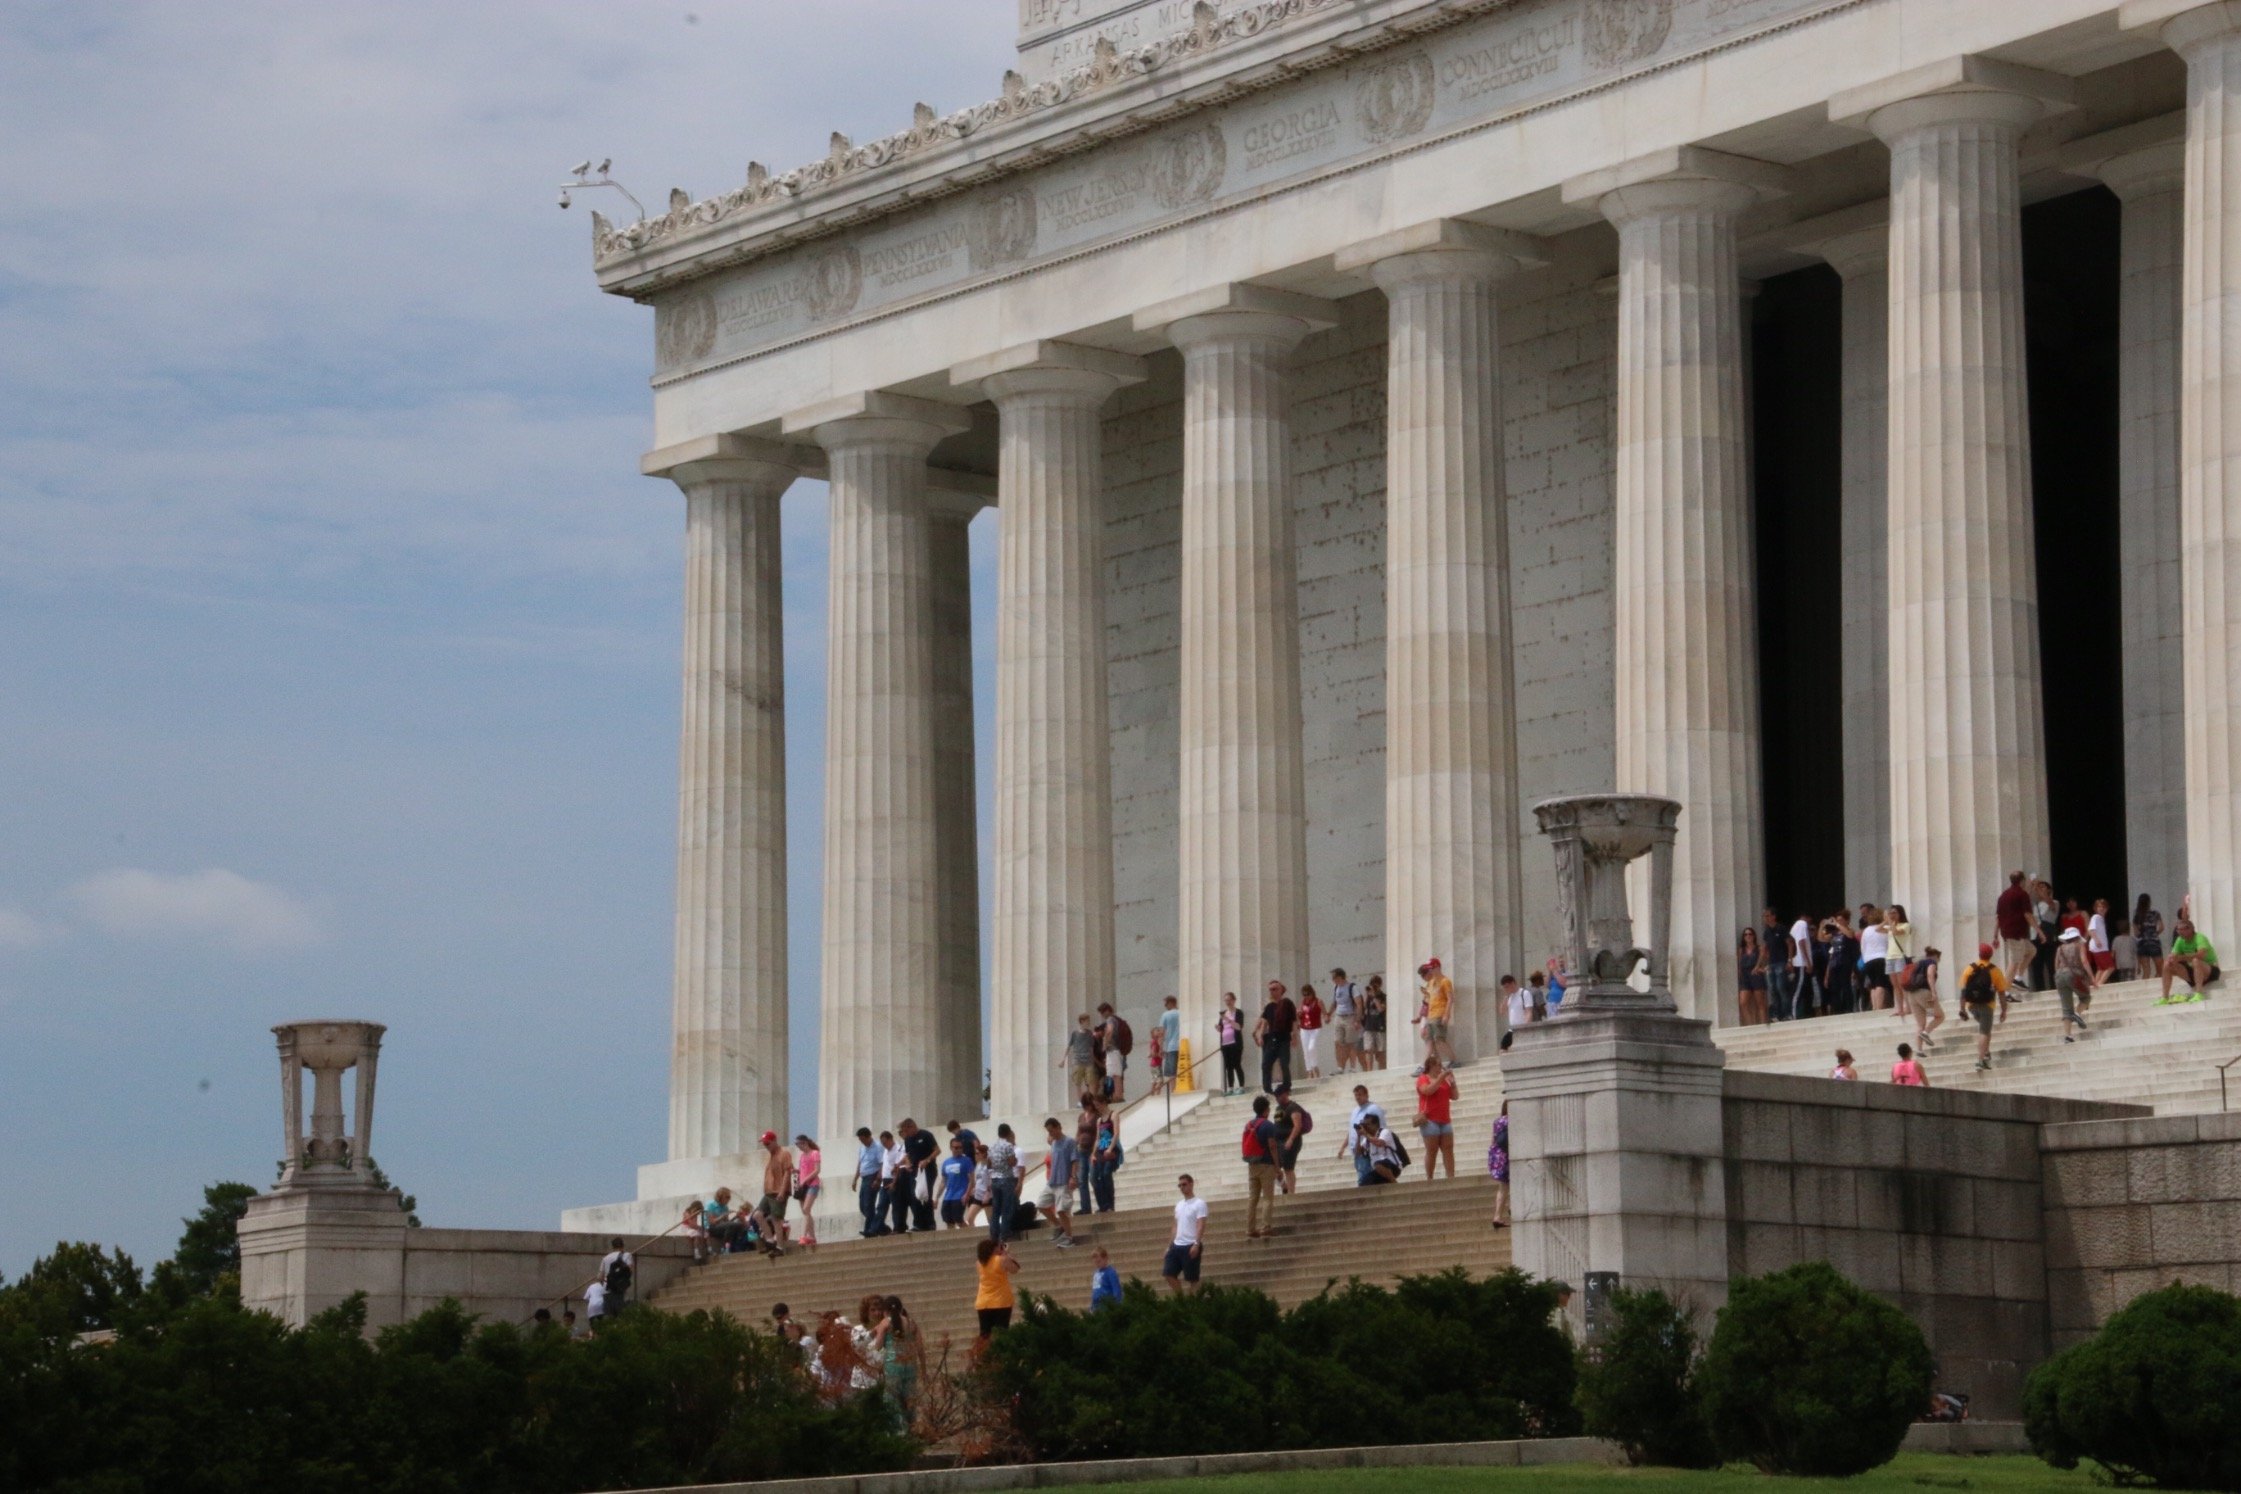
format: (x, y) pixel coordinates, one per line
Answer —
(1184, 1255)
(1801, 966)
(1519, 1001)
(595, 1305)
(1350, 1145)
(894, 1187)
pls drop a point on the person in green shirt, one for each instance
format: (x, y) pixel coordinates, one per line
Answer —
(2193, 957)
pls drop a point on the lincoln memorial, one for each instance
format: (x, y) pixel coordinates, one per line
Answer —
(1399, 412)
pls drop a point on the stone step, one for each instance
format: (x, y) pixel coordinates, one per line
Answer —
(1379, 1234)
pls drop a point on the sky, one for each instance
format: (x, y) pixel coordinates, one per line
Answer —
(338, 633)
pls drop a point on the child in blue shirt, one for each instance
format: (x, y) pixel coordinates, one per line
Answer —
(1104, 1285)
(957, 1177)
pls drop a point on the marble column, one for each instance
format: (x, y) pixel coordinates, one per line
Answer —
(1242, 888)
(1451, 814)
(880, 1054)
(956, 810)
(1051, 939)
(1862, 258)
(1968, 756)
(2151, 184)
(2209, 38)
(1687, 697)
(728, 1059)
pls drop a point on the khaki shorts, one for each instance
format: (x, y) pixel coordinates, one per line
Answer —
(1349, 1032)
(1434, 1032)
(1917, 1002)
(1373, 1042)
(2016, 951)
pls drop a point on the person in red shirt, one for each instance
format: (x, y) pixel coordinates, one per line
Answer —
(1435, 1116)
(1310, 1031)
(2012, 913)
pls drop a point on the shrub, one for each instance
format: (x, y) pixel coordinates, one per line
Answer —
(1641, 1392)
(2155, 1396)
(1437, 1359)
(1809, 1374)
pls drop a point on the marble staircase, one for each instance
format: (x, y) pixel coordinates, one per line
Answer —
(1378, 1234)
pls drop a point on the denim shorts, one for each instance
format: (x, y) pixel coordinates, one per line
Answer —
(1436, 1128)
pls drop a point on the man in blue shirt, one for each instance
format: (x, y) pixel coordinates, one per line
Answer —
(1104, 1283)
(1170, 1046)
(1065, 1159)
(957, 1176)
(869, 1157)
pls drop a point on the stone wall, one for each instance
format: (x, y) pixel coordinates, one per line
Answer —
(1930, 1197)
(1560, 343)
(301, 1256)
(2132, 1205)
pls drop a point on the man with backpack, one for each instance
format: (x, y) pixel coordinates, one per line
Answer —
(1292, 1125)
(1259, 1148)
(1119, 1040)
(616, 1271)
(1984, 984)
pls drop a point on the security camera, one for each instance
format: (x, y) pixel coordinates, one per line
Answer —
(583, 168)
(564, 197)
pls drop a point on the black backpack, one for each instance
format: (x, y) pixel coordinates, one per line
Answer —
(1976, 988)
(618, 1278)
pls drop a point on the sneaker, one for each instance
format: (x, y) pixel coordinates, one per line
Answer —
(1984, 1063)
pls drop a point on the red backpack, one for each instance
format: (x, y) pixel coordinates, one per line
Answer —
(1251, 1146)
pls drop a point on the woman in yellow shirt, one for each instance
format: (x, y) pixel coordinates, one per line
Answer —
(995, 1298)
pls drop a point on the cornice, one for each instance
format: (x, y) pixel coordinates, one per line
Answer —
(1115, 94)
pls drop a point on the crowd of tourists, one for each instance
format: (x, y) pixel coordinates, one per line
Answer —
(1844, 962)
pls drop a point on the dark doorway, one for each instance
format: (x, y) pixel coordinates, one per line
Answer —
(1797, 469)
(2071, 287)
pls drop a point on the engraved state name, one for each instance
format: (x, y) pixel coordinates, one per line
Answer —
(1529, 53)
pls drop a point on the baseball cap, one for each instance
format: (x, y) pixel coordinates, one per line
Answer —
(769, 1137)
(1984, 951)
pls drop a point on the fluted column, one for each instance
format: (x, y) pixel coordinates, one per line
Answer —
(2209, 38)
(1863, 579)
(728, 1060)
(2150, 590)
(956, 1030)
(1242, 888)
(1051, 937)
(1451, 815)
(1687, 698)
(1968, 758)
(879, 1053)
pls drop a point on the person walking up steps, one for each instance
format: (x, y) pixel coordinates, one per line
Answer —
(1259, 1149)
(2012, 914)
(809, 1186)
(1983, 985)
(2073, 977)
(1171, 1046)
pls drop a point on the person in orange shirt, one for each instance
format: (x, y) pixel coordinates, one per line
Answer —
(994, 1297)
(1439, 1012)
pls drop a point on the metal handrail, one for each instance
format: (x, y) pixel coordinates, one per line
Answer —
(2229, 1063)
(576, 1291)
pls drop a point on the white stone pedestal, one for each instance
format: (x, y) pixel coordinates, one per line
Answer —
(1615, 1155)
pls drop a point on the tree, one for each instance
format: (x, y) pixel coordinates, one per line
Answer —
(1641, 1391)
(2153, 1397)
(77, 1289)
(209, 1248)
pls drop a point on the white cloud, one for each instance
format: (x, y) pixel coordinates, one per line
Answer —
(19, 930)
(216, 906)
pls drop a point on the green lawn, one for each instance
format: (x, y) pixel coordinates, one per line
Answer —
(1909, 1473)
